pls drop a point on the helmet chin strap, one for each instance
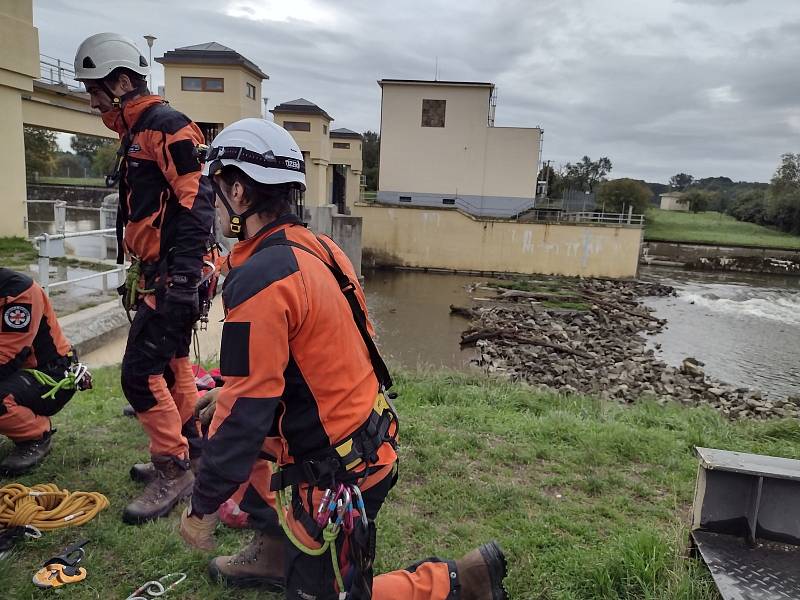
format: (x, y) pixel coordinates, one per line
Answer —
(237, 219)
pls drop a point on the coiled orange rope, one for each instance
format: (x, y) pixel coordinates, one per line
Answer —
(47, 507)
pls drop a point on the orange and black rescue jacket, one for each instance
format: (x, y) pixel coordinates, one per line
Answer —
(30, 335)
(296, 368)
(166, 205)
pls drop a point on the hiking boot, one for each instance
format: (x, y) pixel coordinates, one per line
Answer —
(259, 564)
(27, 455)
(481, 574)
(173, 482)
(146, 472)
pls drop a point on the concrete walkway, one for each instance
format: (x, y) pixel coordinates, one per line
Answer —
(109, 351)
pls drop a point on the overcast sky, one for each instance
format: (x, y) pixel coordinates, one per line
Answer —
(708, 87)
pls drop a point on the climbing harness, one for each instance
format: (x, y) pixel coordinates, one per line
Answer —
(47, 507)
(329, 535)
(10, 537)
(62, 569)
(156, 588)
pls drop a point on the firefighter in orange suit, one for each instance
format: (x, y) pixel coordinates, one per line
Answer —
(166, 213)
(305, 387)
(39, 372)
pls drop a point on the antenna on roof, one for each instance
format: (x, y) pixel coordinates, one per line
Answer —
(436, 72)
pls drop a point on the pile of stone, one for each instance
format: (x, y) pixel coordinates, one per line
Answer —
(589, 338)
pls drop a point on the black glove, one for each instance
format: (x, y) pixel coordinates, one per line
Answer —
(180, 306)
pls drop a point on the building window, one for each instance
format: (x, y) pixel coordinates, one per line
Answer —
(202, 84)
(450, 201)
(297, 126)
(341, 145)
(405, 198)
(251, 91)
(433, 113)
(324, 129)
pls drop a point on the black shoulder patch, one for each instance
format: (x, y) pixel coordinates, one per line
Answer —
(263, 269)
(13, 283)
(182, 153)
(234, 351)
(161, 117)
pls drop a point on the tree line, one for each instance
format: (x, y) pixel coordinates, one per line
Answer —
(90, 156)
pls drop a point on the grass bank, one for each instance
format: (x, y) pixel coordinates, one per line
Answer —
(589, 500)
(712, 228)
(80, 181)
(16, 253)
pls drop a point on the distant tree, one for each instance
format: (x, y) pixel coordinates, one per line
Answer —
(88, 145)
(69, 165)
(618, 195)
(40, 151)
(553, 179)
(681, 181)
(104, 160)
(586, 174)
(700, 200)
(752, 207)
(370, 153)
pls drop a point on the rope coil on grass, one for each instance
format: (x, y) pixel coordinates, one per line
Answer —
(47, 507)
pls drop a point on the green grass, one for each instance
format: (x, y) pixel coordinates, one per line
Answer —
(16, 253)
(712, 228)
(87, 181)
(589, 500)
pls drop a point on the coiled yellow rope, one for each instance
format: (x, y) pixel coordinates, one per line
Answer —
(47, 507)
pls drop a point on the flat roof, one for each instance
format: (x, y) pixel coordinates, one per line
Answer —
(210, 53)
(485, 84)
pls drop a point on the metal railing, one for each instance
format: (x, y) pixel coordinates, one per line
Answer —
(604, 218)
(49, 247)
(58, 72)
(52, 245)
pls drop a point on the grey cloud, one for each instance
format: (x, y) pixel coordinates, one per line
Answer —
(634, 89)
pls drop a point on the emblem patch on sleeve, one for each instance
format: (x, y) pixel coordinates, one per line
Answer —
(17, 318)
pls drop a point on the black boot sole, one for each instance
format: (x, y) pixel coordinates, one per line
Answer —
(268, 584)
(141, 519)
(498, 569)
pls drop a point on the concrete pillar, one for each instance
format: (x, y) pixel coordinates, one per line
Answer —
(12, 183)
(19, 64)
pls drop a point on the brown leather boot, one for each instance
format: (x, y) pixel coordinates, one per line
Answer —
(146, 472)
(172, 483)
(481, 573)
(259, 564)
(27, 455)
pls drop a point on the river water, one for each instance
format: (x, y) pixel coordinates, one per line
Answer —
(746, 328)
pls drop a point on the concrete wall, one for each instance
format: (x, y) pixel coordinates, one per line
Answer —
(345, 230)
(466, 157)
(213, 107)
(480, 206)
(448, 239)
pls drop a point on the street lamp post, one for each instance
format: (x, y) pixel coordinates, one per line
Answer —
(150, 39)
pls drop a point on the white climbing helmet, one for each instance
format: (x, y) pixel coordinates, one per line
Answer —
(264, 150)
(101, 53)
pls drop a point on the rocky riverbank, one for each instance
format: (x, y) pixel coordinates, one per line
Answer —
(589, 337)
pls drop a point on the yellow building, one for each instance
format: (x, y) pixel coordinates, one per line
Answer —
(439, 147)
(212, 84)
(37, 91)
(332, 157)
